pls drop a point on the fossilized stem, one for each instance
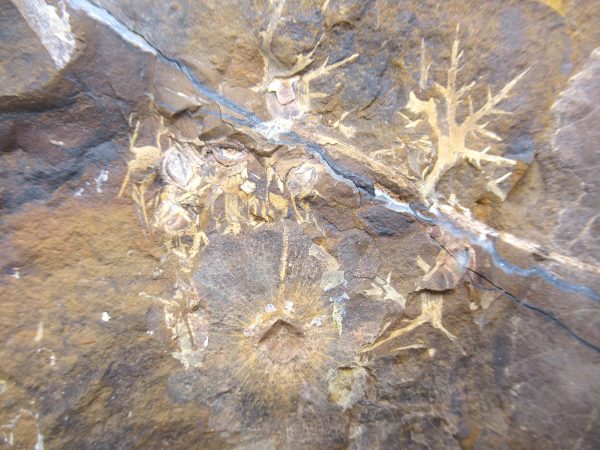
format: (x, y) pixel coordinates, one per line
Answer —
(283, 265)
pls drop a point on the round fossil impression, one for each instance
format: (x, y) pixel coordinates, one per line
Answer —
(228, 152)
(285, 342)
(272, 330)
(178, 166)
(175, 168)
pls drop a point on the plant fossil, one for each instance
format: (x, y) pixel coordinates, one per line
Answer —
(146, 160)
(291, 85)
(271, 342)
(432, 305)
(447, 142)
(213, 185)
(453, 265)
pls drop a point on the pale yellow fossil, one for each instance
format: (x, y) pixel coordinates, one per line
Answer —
(283, 343)
(194, 182)
(300, 182)
(206, 184)
(453, 264)
(381, 289)
(145, 161)
(187, 329)
(230, 180)
(447, 143)
(559, 6)
(432, 305)
(292, 85)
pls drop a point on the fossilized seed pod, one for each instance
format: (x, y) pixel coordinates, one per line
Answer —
(177, 167)
(229, 153)
(172, 217)
(301, 179)
(284, 89)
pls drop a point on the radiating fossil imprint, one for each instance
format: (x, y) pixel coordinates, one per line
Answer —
(267, 342)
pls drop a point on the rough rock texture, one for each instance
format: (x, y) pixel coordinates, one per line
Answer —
(299, 224)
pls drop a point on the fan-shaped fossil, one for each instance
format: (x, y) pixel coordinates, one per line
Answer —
(284, 344)
(272, 332)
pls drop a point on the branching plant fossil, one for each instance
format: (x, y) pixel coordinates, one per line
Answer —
(145, 162)
(447, 144)
(291, 85)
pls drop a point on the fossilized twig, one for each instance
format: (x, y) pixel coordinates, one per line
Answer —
(448, 133)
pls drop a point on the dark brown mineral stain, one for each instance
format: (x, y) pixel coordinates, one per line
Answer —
(78, 259)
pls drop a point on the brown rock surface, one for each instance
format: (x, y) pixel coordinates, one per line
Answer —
(299, 224)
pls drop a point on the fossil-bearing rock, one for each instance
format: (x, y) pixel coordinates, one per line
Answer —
(299, 224)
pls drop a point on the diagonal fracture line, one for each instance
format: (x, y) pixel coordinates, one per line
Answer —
(538, 309)
(250, 120)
